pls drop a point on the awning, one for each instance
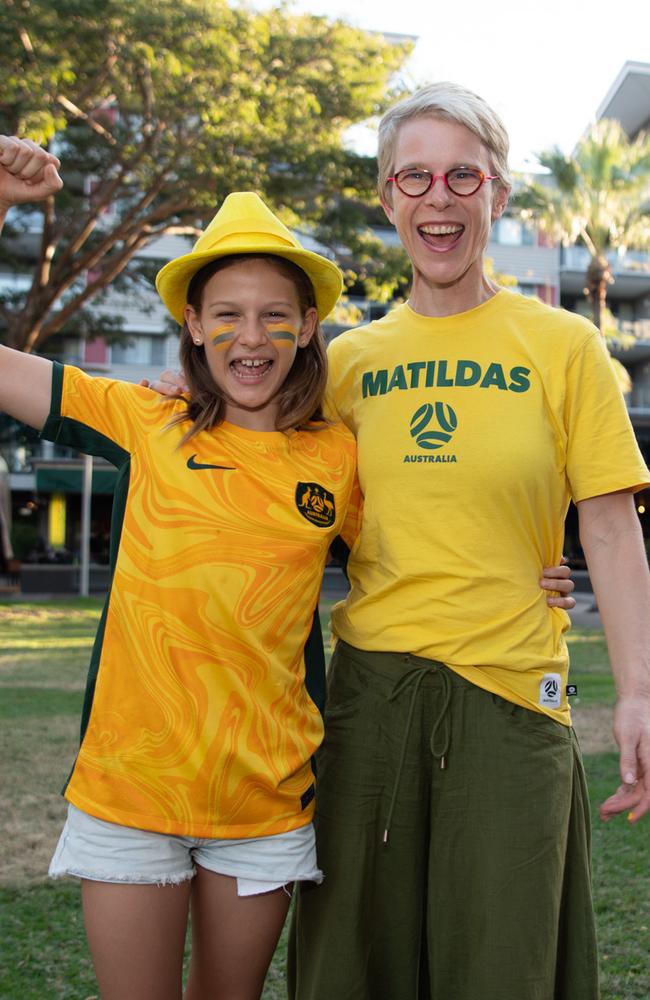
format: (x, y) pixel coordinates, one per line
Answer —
(57, 479)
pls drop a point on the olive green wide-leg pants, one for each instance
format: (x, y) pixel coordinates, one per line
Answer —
(453, 831)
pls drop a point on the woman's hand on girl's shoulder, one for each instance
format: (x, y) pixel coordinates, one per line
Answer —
(557, 579)
(169, 383)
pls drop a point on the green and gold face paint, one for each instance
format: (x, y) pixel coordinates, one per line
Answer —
(222, 335)
(282, 333)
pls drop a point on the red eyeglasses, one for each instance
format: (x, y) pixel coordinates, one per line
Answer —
(462, 181)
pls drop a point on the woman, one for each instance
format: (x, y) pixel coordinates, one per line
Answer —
(193, 785)
(452, 818)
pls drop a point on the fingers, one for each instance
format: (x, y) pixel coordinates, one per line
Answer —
(170, 384)
(558, 580)
(175, 379)
(566, 603)
(634, 800)
(557, 573)
(632, 733)
(624, 799)
(28, 172)
(165, 389)
(24, 159)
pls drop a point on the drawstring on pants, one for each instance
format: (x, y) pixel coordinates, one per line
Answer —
(415, 677)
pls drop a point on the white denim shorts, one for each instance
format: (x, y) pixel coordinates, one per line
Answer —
(94, 849)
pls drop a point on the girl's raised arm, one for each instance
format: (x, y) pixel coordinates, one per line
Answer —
(25, 386)
(27, 173)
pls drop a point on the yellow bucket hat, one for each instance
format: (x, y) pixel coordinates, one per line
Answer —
(244, 224)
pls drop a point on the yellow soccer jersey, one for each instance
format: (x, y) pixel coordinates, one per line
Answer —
(198, 718)
(473, 432)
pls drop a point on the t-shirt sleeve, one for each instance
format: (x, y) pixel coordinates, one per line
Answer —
(331, 407)
(100, 416)
(602, 452)
(352, 522)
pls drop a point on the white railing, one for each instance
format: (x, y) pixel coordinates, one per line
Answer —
(632, 262)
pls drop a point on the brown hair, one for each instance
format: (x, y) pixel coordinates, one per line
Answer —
(301, 394)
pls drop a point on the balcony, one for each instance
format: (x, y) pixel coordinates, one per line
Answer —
(631, 272)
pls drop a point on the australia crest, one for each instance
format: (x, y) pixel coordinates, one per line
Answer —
(316, 504)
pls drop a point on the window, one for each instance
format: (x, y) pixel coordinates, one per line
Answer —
(140, 350)
(512, 233)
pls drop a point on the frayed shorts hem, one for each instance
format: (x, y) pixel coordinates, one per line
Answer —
(100, 851)
(127, 879)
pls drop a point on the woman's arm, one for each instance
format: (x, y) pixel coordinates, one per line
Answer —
(612, 540)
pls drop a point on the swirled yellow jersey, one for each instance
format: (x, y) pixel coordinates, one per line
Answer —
(198, 718)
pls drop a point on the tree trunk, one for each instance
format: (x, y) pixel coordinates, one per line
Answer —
(599, 277)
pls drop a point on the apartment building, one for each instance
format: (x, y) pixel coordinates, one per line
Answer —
(46, 482)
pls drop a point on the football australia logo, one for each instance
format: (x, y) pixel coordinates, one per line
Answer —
(440, 416)
(316, 504)
(432, 427)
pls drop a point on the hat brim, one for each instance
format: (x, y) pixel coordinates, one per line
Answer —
(173, 280)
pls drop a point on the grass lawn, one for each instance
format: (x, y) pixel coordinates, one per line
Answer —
(44, 650)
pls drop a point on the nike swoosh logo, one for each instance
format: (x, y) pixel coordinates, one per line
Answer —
(191, 464)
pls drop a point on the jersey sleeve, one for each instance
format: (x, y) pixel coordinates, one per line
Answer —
(602, 453)
(100, 416)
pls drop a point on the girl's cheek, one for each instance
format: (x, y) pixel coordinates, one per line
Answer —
(282, 334)
(222, 335)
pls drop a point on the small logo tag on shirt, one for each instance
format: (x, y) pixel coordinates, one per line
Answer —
(307, 796)
(193, 464)
(549, 691)
(571, 690)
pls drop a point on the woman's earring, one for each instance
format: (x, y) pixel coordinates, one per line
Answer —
(198, 343)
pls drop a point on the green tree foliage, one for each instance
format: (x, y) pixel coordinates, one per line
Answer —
(158, 110)
(598, 197)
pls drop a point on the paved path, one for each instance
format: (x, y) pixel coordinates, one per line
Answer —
(585, 614)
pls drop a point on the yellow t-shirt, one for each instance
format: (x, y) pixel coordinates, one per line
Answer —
(473, 432)
(198, 721)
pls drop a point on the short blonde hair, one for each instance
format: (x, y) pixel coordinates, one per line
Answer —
(448, 102)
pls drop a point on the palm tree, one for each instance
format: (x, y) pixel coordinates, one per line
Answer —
(599, 196)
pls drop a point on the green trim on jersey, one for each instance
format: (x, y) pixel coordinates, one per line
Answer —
(73, 433)
(117, 520)
(314, 653)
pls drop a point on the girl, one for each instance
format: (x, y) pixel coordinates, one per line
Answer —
(193, 784)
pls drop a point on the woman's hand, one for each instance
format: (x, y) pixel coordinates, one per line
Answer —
(169, 384)
(558, 579)
(27, 172)
(632, 733)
